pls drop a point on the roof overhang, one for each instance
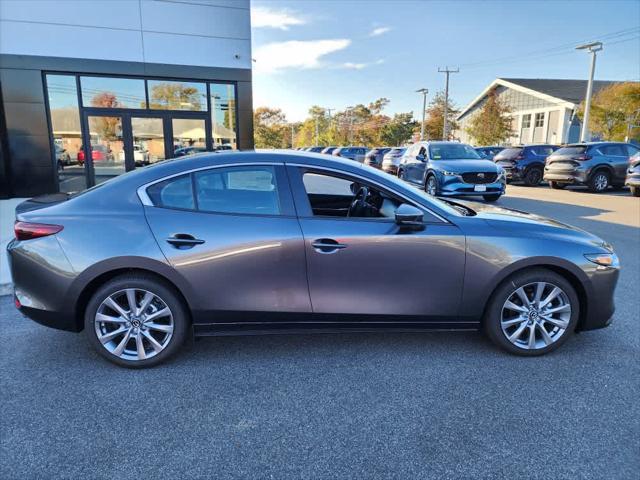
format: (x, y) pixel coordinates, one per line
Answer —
(514, 86)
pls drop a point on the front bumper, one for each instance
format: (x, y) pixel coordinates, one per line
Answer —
(633, 179)
(599, 296)
(454, 186)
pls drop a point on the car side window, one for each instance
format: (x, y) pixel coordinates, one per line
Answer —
(631, 150)
(247, 190)
(173, 193)
(613, 150)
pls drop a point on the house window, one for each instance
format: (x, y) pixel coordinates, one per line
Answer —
(526, 121)
(540, 119)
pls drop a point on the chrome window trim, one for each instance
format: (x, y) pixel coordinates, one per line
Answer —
(142, 190)
(368, 180)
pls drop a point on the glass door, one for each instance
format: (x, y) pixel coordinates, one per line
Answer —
(106, 152)
(189, 136)
(148, 138)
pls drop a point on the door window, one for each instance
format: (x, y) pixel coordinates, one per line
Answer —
(148, 140)
(106, 147)
(189, 136)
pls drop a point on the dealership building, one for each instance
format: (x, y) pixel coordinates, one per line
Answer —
(91, 89)
(541, 110)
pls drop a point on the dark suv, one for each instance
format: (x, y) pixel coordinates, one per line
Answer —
(524, 163)
(597, 165)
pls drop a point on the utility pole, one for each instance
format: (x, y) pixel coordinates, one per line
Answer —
(424, 92)
(292, 133)
(316, 144)
(445, 127)
(592, 48)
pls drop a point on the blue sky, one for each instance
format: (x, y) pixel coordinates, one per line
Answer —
(336, 53)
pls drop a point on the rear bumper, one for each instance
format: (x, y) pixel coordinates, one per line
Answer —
(392, 169)
(57, 320)
(566, 176)
(633, 180)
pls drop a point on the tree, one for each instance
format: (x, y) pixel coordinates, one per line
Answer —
(175, 96)
(434, 120)
(613, 110)
(270, 128)
(399, 129)
(109, 128)
(492, 124)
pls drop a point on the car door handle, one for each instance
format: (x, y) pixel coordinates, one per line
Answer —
(184, 240)
(327, 245)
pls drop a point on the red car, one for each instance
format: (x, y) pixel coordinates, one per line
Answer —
(99, 153)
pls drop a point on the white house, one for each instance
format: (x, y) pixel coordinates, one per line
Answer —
(542, 110)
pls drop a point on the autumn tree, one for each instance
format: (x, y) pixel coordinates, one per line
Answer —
(492, 124)
(175, 96)
(614, 111)
(434, 118)
(107, 127)
(270, 128)
(399, 129)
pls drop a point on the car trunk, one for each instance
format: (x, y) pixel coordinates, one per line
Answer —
(567, 158)
(42, 201)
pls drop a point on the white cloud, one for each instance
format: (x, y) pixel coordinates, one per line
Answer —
(379, 31)
(360, 66)
(295, 54)
(282, 19)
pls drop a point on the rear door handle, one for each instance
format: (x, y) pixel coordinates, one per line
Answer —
(327, 245)
(184, 240)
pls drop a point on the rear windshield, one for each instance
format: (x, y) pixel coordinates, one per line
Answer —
(509, 153)
(452, 151)
(576, 150)
(397, 150)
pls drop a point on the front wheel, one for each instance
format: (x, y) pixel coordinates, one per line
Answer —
(532, 312)
(136, 321)
(491, 198)
(431, 186)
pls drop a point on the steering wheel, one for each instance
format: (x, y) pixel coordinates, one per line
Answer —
(359, 201)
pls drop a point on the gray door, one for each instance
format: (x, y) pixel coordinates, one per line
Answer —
(236, 241)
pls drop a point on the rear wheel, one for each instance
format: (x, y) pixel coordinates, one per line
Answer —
(557, 186)
(599, 182)
(136, 321)
(635, 191)
(533, 177)
(532, 312)
(491, 198)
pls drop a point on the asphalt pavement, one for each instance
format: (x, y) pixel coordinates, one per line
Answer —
(429, 405)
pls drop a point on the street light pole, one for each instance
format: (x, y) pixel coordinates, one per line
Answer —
(445, 122)
(424, 92)
(592, 48)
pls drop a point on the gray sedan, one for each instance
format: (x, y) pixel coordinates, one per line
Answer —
(269, 242)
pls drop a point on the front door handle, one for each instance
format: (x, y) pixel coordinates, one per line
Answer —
(184, 240)
(327, 245)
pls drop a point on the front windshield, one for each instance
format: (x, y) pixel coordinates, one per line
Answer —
(452, 151)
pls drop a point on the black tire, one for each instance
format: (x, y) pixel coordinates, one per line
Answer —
(493, 312)
(635, 191)
(491, 198)
(557, 186)
(431, 178)
(166, 292)
(533, 177)
(599, 181)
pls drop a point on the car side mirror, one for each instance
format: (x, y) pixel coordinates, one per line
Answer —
(409, 217)
(420, 157)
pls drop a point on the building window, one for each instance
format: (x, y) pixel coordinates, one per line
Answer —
(166, 95)
(64, 112)
(540, 119)
(223, 115)
(526, 121)
(109, 92)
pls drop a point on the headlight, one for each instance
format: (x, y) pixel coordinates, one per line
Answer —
(450, 174)
(603, 259)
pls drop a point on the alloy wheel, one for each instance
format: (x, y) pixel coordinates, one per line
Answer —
(134, 324)
(535, 315)
(601, 181)
(432, 187)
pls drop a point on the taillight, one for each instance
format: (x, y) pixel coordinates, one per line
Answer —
(29, 231)
(583, 158)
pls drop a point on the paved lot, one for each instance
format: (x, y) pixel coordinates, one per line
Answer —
(434, 405)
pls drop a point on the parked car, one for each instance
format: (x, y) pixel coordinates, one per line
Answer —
(598, 165)
(328, 150)
(140, 155)
(373, 158)
(269, 242)
(488, 152)
(182, 151)
(352, 153)
(316, 149)
(99, 153)
(391, 160)
(633, 175)
(524, 163)
(221, 147)
(451, 169)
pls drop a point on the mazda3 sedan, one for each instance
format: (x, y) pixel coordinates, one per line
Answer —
(269, 242)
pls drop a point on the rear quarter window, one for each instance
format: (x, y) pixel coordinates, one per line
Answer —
(173, 193)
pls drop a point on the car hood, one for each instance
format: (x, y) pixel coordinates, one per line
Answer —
(531, 225)
(464, 166)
